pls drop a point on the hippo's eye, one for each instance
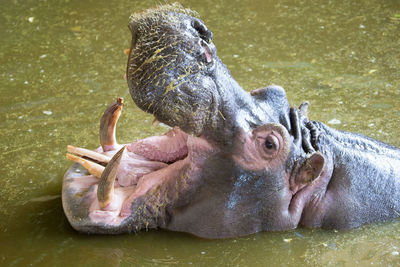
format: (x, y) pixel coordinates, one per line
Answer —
(271, 144)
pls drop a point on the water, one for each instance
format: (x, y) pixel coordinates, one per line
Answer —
(62, 62)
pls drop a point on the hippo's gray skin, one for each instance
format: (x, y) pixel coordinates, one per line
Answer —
(362, 183)
(235, 163)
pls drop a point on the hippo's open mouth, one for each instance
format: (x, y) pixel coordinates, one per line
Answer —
(120, 175)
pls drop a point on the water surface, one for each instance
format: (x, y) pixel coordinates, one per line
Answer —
(62, 62)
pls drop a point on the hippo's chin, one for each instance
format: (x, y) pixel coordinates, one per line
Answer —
(147, 179)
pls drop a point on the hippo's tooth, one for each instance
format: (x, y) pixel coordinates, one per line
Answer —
(108, 124)
(93, 168)
(105, 191)
(88, 153)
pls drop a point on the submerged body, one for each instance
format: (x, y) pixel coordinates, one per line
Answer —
(234, 164)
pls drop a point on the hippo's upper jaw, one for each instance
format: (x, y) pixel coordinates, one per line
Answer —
(174, 73)
(171, 67)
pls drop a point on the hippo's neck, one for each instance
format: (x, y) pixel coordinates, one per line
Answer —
(365, 182)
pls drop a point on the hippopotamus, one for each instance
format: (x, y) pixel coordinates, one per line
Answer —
(233, 163)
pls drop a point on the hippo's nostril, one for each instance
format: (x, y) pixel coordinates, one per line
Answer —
(204, 33)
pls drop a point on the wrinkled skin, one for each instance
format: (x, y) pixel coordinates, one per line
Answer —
(234, 164)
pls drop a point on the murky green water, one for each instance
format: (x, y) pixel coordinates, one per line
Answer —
(61, 62)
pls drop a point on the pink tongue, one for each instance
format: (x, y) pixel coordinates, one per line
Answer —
(169, 147)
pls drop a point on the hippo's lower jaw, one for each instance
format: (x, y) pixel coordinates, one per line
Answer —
(145, 183)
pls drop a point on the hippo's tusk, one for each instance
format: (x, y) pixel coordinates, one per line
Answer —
(105, 191)
(108, 123)
(93, 168)
(88, 153)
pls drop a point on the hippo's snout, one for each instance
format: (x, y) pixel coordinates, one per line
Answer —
(171, 68)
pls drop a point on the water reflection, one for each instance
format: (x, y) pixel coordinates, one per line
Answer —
(63, 61)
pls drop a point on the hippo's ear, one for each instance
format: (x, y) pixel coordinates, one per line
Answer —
(311, 169)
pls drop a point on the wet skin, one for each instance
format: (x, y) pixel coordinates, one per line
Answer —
(234, 164)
